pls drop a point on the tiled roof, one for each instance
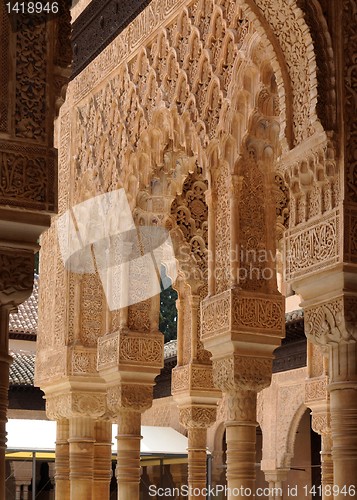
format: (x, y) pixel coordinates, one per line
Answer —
(25, 320)
(22, 369)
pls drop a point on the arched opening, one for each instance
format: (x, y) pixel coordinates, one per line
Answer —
(305, 468)
(168, 310)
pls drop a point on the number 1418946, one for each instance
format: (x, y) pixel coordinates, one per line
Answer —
(32, 7)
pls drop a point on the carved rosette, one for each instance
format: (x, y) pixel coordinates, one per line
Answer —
(332, 322)
(197, 416)
(76, 404)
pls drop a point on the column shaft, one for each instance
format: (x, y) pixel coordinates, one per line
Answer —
(5, 361)
(343, 403)
(326, 465)
(18, 492)
(25, 492)
(197, 461)
(62, 461)
(102, 460)
(81, 457)
(343, 408)
(241, 445)
(128, 468)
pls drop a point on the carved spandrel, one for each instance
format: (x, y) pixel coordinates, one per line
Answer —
(28, 176)
(16, 276)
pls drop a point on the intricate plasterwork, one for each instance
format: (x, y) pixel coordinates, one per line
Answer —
(245, 373)
(242, 311)
(316, 389)
(350, 236)
(31, 118)
(121, 348)
(282, 197)
(77, 404)
(128, 397)
(316, 19)
(27, 176)
(320, 423)
(192, 377)
(332, 322)
(288, 25)
(197, 417)
(5, 67)
(314, 246)
(16, 275)
(349, 50)
(241, 406)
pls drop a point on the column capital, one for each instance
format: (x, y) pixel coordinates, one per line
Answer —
(242, 373)
(332, 321)
(197, 416)
(129, 397)
(76, 404)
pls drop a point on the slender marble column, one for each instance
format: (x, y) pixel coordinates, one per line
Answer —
(197, 461)
(241, 444)
(326, 465)
(102, 460)
(128, 468)
(81, 457)
(62, 461)
(5, 361)
(343, 407)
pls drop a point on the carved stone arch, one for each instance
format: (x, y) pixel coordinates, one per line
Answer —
(286, 442)
(326, 70)
(285, 26)
(218, 450)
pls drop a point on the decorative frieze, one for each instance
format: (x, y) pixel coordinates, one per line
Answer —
(192, 377)
(315, 246)
(130, 348)
(239, 311)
